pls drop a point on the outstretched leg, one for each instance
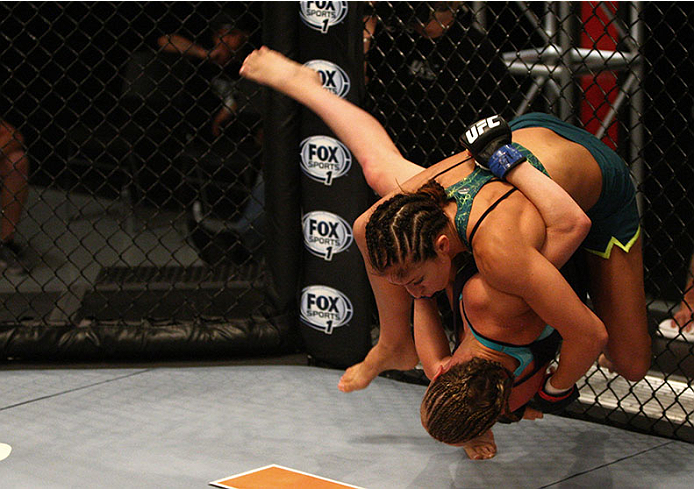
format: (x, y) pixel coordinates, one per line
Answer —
(382, 164)
(385, 171)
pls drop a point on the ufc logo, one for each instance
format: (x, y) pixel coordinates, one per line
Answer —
(480, 127)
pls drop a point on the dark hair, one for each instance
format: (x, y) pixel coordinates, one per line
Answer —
(403, 228)
(466, 401)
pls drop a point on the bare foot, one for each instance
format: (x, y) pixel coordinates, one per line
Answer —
(605, 362)
(275, 70)
(684, 318)
(481, 448)
(379, 359)
(532, 414)
(357, 377)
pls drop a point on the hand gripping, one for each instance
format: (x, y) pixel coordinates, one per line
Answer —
(485, 137)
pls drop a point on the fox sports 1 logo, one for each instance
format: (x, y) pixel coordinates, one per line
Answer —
(324, 159)
(332, 76)
(321, 16)
(326, 234)
(324, 308)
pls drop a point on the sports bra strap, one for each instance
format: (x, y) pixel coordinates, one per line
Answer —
(486, 213)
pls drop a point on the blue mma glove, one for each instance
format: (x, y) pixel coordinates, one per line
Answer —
(485, 137)
(504, 160)
(553, 403)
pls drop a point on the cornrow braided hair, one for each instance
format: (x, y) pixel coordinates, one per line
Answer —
(403, 228)
(466, 401)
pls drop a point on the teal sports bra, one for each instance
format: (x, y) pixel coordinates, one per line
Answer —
(522, 353)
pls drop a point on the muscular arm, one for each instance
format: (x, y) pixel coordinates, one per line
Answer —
(430, 338)
(566, 223)
(507, 254)
(181, 45)
(545, 290)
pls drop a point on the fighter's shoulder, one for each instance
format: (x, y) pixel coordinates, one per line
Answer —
(513, 223)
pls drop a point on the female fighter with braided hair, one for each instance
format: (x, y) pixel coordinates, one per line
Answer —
(484, 380)
(518, 281)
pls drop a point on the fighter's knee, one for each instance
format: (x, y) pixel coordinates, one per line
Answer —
(635, 368)
(634, 374)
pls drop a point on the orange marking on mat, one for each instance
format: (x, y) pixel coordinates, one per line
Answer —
(276, 477)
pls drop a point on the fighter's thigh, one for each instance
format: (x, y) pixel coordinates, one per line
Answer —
(619, 299)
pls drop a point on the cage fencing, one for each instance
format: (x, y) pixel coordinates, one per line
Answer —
(599, 65)
(145, 213)
(145, 206)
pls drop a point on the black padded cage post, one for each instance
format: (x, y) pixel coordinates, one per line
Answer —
(336, 301)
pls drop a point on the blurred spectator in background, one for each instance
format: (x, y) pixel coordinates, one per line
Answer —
(14, 171)
(230, 41)
(234, 127)
(684, 315)
(430, 73)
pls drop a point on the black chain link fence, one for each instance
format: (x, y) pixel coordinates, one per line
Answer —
(618, 70)
(146, 190)
(144, 155)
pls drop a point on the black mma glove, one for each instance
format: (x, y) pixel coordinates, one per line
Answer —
(485, 137)
(553, 403)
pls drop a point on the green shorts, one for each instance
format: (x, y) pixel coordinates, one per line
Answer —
(615, 216)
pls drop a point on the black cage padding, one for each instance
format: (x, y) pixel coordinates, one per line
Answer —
(155, 340)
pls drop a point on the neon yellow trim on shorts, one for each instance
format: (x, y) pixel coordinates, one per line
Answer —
(614, 241)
